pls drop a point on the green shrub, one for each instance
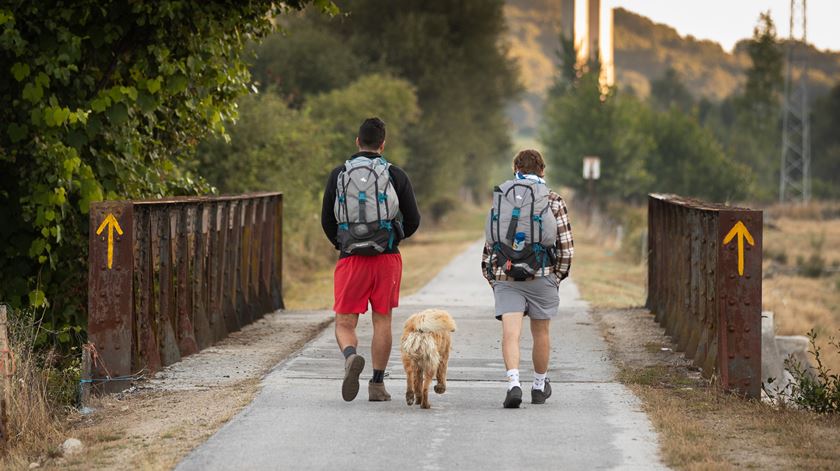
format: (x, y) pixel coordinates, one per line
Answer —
(818, 391)
(780, 256)
(812, 267)
(815, 265)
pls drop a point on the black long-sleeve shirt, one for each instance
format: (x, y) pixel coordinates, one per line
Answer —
(405, 193)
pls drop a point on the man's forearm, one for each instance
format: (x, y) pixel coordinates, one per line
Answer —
(486, 263)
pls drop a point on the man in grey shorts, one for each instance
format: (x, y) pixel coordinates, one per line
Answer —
(528, 292)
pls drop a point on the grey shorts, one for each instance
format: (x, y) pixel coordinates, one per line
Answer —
(537, 298)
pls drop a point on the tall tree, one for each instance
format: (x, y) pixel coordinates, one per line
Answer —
(582, 122)
(452, 53)
(755, 138)
(763, 89)
(304, 59)
(569, 71)
(340, 111)
(687, 159)
(641, 149)
(669, 91)
(825, 160)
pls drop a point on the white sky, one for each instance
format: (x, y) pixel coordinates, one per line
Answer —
(727, 21)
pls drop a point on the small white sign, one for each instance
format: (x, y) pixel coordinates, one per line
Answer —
(591, 168)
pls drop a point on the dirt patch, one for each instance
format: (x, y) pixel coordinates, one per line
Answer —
(157, 422)
(637, 341)
(701, 427)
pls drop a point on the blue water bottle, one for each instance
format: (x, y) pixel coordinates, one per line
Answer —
(519, 241)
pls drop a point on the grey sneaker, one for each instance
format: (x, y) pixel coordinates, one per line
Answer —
(513, 398)
(539, 397)
(353, 366)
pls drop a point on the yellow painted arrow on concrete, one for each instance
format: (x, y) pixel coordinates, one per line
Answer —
(111, 222)
(741, 231)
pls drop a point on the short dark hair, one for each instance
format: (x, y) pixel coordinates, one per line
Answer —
(372, 133)
(529, 161)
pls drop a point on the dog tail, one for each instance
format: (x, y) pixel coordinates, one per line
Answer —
(434, 320)
(421, 349)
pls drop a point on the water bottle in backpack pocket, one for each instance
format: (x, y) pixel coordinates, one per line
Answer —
(519, 241)
(366, 207)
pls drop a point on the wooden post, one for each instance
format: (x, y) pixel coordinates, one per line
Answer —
(6, 369)
(86, 377)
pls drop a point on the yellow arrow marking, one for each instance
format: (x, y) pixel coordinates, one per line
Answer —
(741, 231)
(112, 224)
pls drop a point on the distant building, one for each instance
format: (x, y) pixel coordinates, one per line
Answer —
(589, 24)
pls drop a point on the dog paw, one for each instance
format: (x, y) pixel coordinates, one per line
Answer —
(440, 388)
(418, 399)
(425, 405)
(409, 399)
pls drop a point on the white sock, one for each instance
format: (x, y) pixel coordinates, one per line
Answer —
(539, 380)
(513, 378)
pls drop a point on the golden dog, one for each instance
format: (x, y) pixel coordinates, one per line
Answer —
(425, 345)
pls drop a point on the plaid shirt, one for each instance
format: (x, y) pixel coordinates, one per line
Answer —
(565, 247)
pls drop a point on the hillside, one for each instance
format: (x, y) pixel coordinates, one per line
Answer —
(643, 51)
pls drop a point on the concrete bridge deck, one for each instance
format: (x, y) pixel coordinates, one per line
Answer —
(299, 421)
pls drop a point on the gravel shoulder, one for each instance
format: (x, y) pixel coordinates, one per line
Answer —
(155, 423)
(701, 427)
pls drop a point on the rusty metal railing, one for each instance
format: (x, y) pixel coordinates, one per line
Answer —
(704, 285)
(170, 277)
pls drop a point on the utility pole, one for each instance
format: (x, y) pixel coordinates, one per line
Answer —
(795, 171)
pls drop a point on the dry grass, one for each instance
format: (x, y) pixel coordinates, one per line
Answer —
(702, 428)
(800, 304)
(818, 210)
(604, 269)
(38, 392)
(424, 255)
(800, 238)
(793, 234)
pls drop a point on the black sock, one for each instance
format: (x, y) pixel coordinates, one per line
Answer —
(378, 376)
(351, 350)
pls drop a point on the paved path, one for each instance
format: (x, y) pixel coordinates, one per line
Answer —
(298, 421)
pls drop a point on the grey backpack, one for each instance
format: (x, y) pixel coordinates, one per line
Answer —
(366, 206)
(522, 229)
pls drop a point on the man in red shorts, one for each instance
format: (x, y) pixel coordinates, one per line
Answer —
(368, 207)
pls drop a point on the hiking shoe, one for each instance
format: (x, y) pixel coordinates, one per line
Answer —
(539, 397)
(353, 366)
(513, 398)
(377, 392)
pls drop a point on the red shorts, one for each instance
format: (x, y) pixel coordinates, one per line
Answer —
(360, 279)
